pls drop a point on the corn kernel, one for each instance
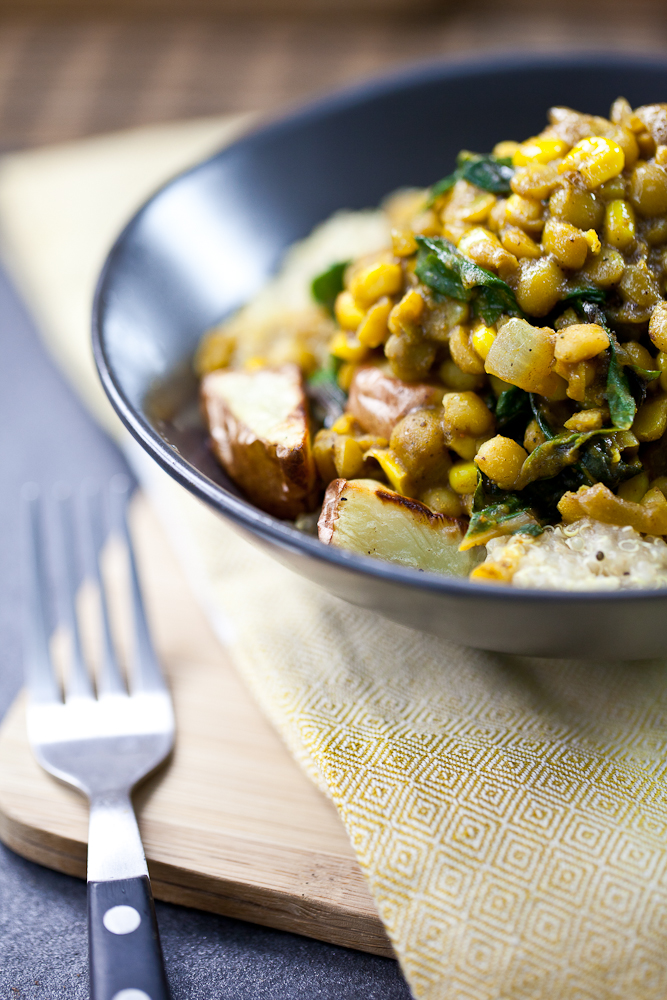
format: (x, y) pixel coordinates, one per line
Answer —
(485, 249)
(519, 243)
(482, 338)
(393, 469)
(406, 313)
(539, 150)
(455, 379)
(373, 329)
(347, 348)
(255, 362)
(596, 159)
(505, 149)
(348, 313)
(403, 242)
(651, 420)
(585, 420)
(634, 489)
(323, 449)
(619, 224)
(479, 208)
(593, 240)
(345, 424)
(372, 282)
(346, 374)
(463, 477)
(465, 446)
(348, 458)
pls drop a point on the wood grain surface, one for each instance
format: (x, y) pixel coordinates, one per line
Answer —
(231, 824)
(65, 76)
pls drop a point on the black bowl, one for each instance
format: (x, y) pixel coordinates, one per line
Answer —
(207, 242)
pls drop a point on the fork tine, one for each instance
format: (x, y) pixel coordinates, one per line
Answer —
(146, 674)
(40, 678)
(78, 681)
(110, 680)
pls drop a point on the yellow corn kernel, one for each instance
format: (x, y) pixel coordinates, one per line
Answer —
(479, 208)
(407, 312)
(215, 351)
(373, 329)
(347, 348)
(346, 374)
(348, 458)
(345, 424)
(465, 446)
(638, 355)
(539, 286)
(482, 338)
(393, 469)
(505, 149)
(539, 150)
(593, 240)
(619, 224)
(657, 326)
(463, 477)
(348, 313)
(596, 159)
(255, 362)
(519, 243)
(323, 449)
(651, 420)
(403, 242)
(634, 489)
(372, 282)
(580, 342)
(501, 459)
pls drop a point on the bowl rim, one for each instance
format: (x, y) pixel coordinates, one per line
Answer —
(242, 512)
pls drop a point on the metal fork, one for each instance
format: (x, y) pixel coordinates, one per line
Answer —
(102, 745)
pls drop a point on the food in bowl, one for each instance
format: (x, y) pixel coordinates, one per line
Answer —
(474, 376)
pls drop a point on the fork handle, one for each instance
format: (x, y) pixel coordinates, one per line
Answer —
(125, 954)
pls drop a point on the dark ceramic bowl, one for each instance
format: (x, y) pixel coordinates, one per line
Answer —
(207, 242)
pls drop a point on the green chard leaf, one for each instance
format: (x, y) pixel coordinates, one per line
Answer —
(447, 271)
(498, 512)
(327, 286)
(536, 405)
(512, 403)
(491, 173)
(622, 406)
(589, 293)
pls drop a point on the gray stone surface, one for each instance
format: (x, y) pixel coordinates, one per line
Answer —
(46, 437)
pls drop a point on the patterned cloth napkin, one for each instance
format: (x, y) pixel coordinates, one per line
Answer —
(510, 814)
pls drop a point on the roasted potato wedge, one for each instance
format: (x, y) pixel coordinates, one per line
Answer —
(364, 516)
(379, 401)
(258, 421)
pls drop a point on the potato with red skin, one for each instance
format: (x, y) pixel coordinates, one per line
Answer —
(379, 401)
(258, 421)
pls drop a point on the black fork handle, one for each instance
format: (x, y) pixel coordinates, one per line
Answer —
(125, 955)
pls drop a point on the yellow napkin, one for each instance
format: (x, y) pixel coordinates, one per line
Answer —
(510, 814)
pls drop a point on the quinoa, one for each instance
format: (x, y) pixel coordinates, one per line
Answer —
(586, 555)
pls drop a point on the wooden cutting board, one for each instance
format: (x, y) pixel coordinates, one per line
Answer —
(231, 824)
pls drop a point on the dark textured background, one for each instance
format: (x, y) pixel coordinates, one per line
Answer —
(65, 77)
